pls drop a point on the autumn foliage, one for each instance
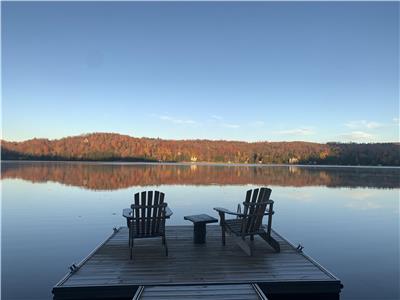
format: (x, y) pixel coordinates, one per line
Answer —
(116, 147)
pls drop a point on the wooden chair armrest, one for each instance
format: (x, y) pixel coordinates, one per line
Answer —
(127, 213)
(168, 212)
(226, 211)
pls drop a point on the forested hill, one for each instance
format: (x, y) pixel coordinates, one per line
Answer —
(116, 147)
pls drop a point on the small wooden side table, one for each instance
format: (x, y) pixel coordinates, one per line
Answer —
(199, 226)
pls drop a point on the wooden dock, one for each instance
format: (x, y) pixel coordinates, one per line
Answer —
(200, 292)
(107, 273)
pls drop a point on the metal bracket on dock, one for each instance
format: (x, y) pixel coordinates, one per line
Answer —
(73, 268)
(299, 248)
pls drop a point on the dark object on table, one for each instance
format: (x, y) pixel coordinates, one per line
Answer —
(199, 226)
(146, 218)
(249, 223)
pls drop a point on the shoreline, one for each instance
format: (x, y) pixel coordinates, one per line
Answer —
(197, 164)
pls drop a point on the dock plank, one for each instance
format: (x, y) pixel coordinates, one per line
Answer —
(200, 292)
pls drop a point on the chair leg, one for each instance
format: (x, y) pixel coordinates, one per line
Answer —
(131, 248)
(223, 234)
(129, 236)
(222, 224)
(163, 239)
(165, 245)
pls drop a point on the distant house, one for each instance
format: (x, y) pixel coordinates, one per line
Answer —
(193, 158)
(293, 160)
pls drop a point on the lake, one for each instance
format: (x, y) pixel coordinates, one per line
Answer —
(55, 213)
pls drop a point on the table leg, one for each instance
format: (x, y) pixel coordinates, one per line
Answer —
(199, 233)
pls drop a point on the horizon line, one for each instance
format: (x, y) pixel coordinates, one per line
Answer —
(192, 139)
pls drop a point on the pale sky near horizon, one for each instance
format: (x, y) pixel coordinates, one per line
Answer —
(255, 71)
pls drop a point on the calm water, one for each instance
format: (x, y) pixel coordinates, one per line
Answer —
(54, 214)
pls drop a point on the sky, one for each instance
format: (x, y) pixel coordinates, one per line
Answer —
(260, 71)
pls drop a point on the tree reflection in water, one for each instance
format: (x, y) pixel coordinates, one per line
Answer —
(112, 176)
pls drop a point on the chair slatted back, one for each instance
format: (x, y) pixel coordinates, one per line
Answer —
(148, 213)
(254, 207)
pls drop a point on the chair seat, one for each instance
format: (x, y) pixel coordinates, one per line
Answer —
(235, 225)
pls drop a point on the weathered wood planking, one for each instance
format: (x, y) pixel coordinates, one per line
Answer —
(200, 292)
(109, 267)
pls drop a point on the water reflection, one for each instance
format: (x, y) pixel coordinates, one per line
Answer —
(106, 176)
(339, 227)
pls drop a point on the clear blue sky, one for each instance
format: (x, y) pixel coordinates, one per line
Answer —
(244, 71)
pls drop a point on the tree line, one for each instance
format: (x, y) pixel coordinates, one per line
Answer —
(116, 147)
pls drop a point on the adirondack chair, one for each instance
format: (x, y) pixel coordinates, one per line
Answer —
(148, 216)
(249, 222)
